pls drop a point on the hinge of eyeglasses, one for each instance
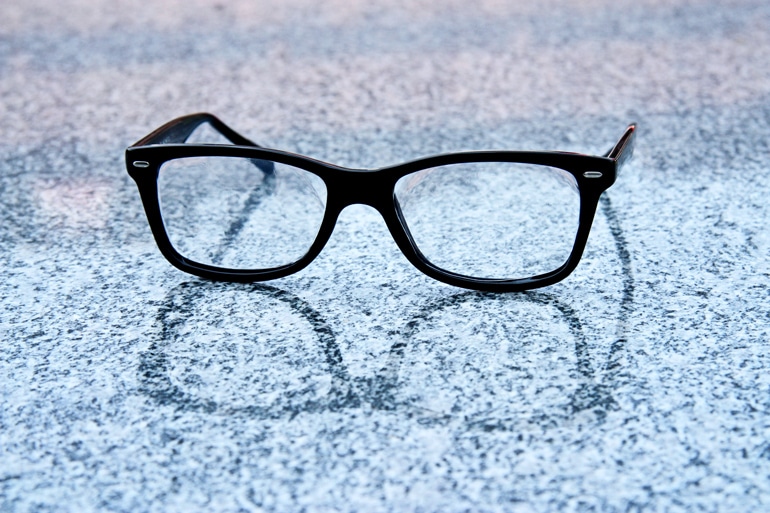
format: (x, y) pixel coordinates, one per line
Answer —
(593, 174)
(141, 163)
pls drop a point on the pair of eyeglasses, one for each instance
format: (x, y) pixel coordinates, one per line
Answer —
(497, 221)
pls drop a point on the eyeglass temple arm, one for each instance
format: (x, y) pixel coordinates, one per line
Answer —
(624, 148)
(180, 129)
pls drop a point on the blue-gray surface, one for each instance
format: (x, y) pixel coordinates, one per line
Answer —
(638, 384)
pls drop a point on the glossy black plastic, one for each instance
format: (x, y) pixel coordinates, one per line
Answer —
(593, 174)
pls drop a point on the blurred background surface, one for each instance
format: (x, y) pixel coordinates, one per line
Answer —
(638, 384)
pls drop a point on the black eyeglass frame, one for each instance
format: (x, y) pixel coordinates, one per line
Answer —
(373, 187)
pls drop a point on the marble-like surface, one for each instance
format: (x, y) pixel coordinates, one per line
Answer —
(638, 384)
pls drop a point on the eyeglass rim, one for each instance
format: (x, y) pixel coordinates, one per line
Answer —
(143, 162)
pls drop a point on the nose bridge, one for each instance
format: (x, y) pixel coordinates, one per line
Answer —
(353, 187)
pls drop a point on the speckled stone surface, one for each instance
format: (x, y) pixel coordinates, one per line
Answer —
(640, 383)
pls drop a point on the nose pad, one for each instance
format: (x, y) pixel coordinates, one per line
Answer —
(313, 186)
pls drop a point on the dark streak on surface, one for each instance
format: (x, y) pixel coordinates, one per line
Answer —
(618, 349)
(265, 188)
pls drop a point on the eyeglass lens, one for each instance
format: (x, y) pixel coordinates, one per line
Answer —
(240, 213)
(495, 220)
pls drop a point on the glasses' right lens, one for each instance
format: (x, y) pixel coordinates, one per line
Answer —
(494, 220)
(239, 213)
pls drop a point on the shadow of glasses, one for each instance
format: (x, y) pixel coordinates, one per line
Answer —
(252, 350)
(262, 352)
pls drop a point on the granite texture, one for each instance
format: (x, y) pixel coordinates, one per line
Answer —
(640, 383)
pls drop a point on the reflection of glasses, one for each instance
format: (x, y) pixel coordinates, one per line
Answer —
(484, 220)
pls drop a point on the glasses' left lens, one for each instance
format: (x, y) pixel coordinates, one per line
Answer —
(239, 213)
